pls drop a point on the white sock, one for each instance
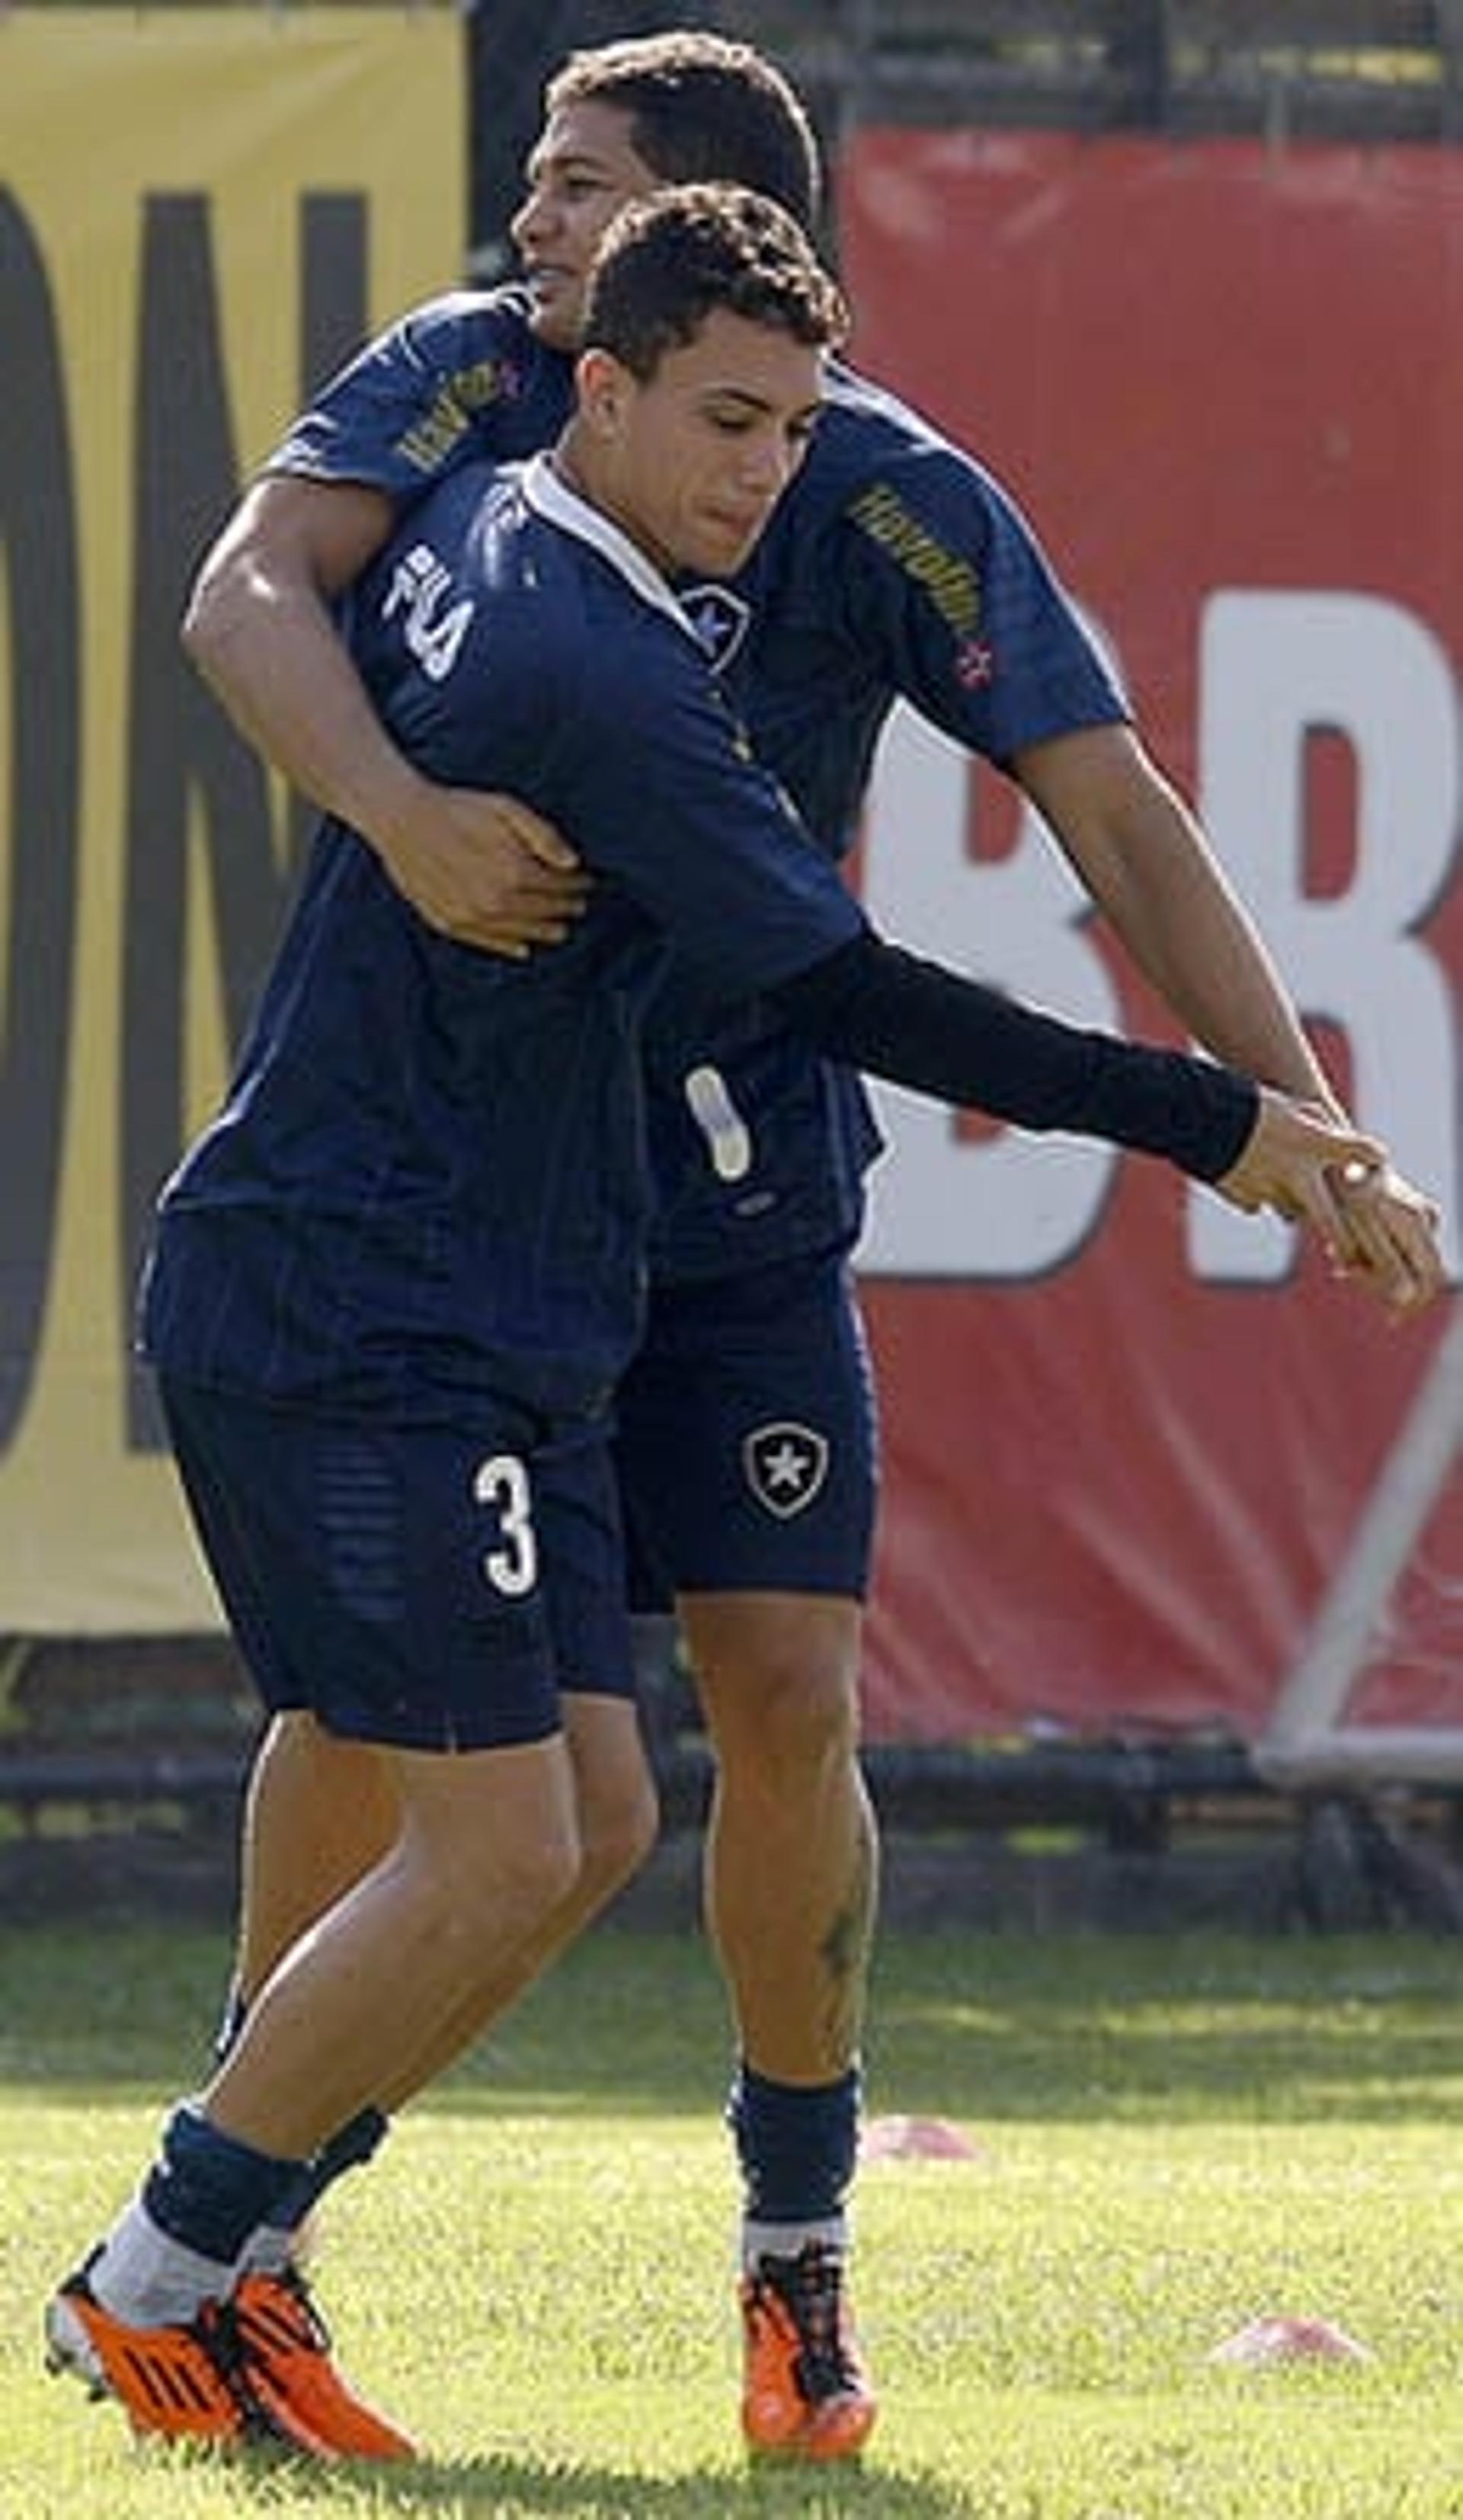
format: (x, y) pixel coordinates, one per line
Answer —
(268, 2251)
(787, 2239)
(147, 2279)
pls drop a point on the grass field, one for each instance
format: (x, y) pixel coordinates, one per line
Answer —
(1174, 2135)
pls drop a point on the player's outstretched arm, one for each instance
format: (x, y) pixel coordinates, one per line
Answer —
(480, 868)
(1147, 862)
(923, 1027)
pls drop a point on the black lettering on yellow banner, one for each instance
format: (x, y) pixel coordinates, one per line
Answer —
(187, 769)
(42, 605)
(204, 211)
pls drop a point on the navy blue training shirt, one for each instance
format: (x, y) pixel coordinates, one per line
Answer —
(895, 566)
(428, 1178)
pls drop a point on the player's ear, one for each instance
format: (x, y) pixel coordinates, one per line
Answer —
(602, 385)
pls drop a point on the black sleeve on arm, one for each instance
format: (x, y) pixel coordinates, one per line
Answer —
(881, 1009)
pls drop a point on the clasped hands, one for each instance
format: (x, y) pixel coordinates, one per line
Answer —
(1312, 1168)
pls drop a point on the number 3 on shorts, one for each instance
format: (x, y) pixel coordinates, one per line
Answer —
(502, 1482)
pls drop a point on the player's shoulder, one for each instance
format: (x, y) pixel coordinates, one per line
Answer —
(486, 332)
(867, 434)
(473, 589)
(500, 313)
(588, 599)
(454, 375)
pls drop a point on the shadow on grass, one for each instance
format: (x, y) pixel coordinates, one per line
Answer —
(500, 2483)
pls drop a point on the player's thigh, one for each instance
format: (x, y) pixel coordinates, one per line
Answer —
(747, 1439)
(422, 1588)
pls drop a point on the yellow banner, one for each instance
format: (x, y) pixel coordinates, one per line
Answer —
(200, 214)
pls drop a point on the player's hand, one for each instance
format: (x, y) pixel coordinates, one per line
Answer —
(1391, 1238)
(1314, 1169)
(484, 870)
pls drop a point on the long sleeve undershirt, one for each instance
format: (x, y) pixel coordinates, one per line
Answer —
(884, 1010)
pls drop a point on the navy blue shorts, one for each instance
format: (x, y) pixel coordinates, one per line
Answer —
(426, 1588)
(747, 1438)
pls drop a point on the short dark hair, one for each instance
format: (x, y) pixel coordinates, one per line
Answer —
(703, 111)
(667, 261)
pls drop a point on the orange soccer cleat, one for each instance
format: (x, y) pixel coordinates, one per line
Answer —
(285, 2351)
(184, 2383)
(806, 2392)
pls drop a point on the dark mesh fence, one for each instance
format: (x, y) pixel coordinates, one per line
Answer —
(1356, 69)
(1363, 70)
(515, 45)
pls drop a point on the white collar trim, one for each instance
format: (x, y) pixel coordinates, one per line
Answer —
(550, 497)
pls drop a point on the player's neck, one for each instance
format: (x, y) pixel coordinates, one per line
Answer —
(584, 468)
(574, 462)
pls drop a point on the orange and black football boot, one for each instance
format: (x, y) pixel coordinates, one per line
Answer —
(805, 2392)
(182, 2382)
(285, 2351)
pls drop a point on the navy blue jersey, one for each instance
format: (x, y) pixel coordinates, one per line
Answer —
(898, 568)
(455, 379)
(894, 567)
(428, 1179)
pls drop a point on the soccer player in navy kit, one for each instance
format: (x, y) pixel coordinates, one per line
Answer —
(895, 565)
(395, 1282)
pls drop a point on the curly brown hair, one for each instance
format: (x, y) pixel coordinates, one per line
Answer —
(666, 262)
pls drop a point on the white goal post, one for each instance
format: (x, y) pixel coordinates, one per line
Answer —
(1308, 1740)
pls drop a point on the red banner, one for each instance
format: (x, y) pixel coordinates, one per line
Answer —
(1129, 1435)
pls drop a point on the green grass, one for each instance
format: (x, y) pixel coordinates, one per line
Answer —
(1173, 2137)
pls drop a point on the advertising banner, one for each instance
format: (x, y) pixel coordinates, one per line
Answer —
(1130, 1435)
(1128, 1432)
(199, 213)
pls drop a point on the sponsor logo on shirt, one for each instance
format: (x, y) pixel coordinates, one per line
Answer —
(453, 408)
(432, 629)
(951, 582)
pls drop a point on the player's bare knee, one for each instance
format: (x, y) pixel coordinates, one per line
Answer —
(499, 1868)
(785, 1718)
(537, 1876)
